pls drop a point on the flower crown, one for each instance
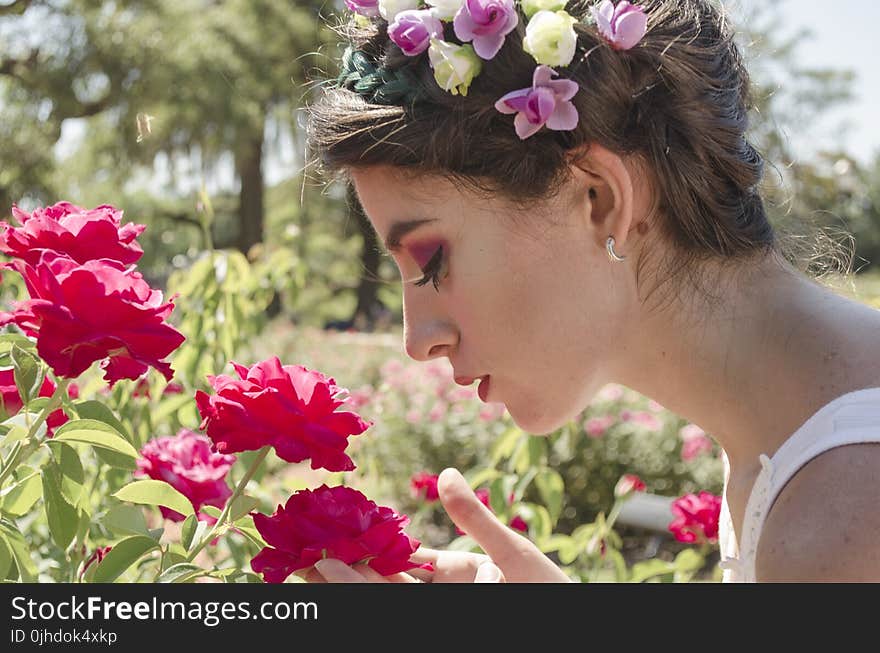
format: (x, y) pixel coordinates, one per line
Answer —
(481, 26)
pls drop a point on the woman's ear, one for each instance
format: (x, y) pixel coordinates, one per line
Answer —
(609, 192)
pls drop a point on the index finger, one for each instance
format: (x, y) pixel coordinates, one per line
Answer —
(518, 558)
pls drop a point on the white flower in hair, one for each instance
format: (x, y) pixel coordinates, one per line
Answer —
(388, 9)
(444, 9)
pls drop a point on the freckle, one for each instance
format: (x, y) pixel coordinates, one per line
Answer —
(846, 539)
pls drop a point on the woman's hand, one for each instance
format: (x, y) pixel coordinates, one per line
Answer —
(511, 557)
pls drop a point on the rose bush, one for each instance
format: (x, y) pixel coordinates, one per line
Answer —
(90, 491)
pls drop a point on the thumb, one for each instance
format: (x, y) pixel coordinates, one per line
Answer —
(488, 573)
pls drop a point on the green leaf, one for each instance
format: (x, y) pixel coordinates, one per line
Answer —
(250, 577)
(97, 434)
(643, 571)
(551, 487)
(155, 493)
(188, 530)
(504, 446)
(620, 570)
(482, 477)
(170, 405)
(72, 474)
(28, 377)
(62, 517)
(125, 520)
(246, 527)
(192, 532)
(5, 558)
(18, 499)
(688, 561)
(242, 506)
(115, 459)
(95, 410)
(538, 519)
(10, 340)
(27, 570)
(498, 494)
(122, 556)
(184, 572)
(14, 434)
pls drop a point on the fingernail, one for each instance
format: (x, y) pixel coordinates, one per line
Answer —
(325, 565)
(488, 573)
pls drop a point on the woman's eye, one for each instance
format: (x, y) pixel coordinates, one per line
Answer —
(432, 270)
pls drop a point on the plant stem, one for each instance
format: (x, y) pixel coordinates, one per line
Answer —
(226, 508)
(31, 442)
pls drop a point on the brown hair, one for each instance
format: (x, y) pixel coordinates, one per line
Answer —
(678, 102)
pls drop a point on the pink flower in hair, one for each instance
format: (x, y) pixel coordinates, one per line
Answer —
(368, 8)
(486, 23)
(547, 102)
(623, 26)
(413, 29)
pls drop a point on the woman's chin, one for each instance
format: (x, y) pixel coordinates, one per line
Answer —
(538, 423)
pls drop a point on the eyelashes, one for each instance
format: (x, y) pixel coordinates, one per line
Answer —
(432, 270)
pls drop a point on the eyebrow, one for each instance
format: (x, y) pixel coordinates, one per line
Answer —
(400, 229)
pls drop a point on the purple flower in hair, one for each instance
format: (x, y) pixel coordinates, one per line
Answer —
(413, 29)
(486, 23)
(369, 8)
(547, 102)
(622, 26)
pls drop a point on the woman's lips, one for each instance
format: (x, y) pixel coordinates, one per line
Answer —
(483, 389)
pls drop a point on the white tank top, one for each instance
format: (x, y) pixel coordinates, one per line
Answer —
(853, 418)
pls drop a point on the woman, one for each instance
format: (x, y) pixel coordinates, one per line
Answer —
(572, 202)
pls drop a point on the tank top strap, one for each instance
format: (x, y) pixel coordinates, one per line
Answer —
(853, 418)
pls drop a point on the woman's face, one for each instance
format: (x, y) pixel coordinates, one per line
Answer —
(527, 298)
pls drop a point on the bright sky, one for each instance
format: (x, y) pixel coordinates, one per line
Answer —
(844, 37)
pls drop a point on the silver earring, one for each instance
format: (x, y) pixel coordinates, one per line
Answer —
(609, 245)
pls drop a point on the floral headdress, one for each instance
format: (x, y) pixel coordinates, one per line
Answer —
(482, 26)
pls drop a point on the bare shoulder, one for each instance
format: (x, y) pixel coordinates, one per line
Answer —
(825, 526)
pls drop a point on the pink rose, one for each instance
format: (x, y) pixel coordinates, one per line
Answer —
(83, 235)
(95, 311)
(425, 484)
(288, 407)
(696, 518)
(187, 464)
(10, 400)
(486, 23)
(413, 29)
(332, 522)
(623, 26)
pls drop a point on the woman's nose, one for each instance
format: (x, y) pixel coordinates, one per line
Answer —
(427, 335)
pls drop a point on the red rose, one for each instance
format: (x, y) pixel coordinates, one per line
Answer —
(696, 517)
(95, 311)
(628, 484)
(83, 235)
(10, 400)
(288, 407)
(425, 484)
(332, 522)
(187, 464)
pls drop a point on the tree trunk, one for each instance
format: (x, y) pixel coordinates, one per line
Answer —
(249, 167)
(368, 306)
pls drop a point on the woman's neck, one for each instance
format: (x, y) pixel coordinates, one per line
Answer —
(776, 349)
